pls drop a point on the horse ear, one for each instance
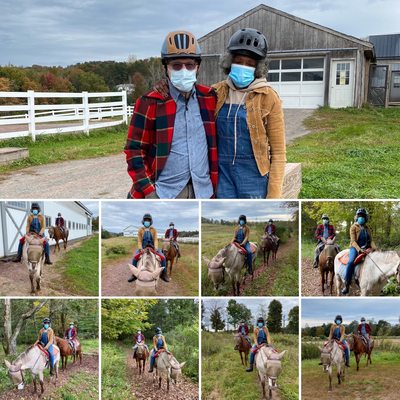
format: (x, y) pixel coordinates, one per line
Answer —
(135, 271)
(182, 364)
(156, 274)
(206, 260)
(8, 364)
(320, 348)
(280, 355)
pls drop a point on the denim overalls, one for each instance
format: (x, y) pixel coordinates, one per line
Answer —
(249, 255)
(160, 345)
(362, 241)
(336, 335)
(146, 241)
(35, 227)
(44, 339)
(261, 338)
(238, 174)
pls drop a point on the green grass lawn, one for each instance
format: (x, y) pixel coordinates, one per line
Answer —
(64, 147)
(80, 267)
(353, 153)
(224, 377)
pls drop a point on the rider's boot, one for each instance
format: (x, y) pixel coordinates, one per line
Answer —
(132, 278)
(164, 275)
(346, 289)
(47, 260)
(250, 369)
(17, 259)
(51, 370)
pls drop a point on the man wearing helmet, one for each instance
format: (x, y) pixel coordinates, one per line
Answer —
(71, 335)
(46, 340)
(364, 330)
(171, 147)
(139, 339)
(172, 233)
(243, 329)
(147, 237)
(261, 338)
(60, 222)
(337, 332)
(270, 229)
(35, 224)
(159, 343)
(323, 232)
(360, 242)
(241, 235)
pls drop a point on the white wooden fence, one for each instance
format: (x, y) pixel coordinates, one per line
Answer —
(32, 119)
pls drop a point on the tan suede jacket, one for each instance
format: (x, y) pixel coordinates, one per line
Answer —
(140, 237)
(342, 331)
(246, 231)
(267, 132)
(41, 220)
(355, 234)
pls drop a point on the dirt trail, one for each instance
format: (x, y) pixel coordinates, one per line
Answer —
(143, 387)
(90, 365)
(14, 277)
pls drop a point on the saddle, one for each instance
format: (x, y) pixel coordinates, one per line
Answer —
(341, 345)
(34, 239)
(344, 259)
(43, 350)
(159, 352)
(242, 250)
(139, 255)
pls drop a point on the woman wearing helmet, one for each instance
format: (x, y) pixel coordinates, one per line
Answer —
(46, 340)
(159, 343)
(171, 147)
(147, 237)
(250, 124)
(241, 235)
(360, 242)
(261, 337)
(337, 332)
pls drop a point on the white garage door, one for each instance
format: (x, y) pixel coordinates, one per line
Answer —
(299, 81)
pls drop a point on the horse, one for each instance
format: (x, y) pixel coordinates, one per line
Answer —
(171, 254)
(332, 354)
(57, 234)
(243, 346)
(358, 347)
(33, 257)
(168, 367)
(148, 272)
(268, 245)
(326, 264)
(375, 271)
(35, 360)
(66, 350)
(216, 271)
(141, 356)
(269, 367)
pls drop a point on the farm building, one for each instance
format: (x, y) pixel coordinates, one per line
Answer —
(385, 74)
(13, 216)
(309, 65)
(130, 231)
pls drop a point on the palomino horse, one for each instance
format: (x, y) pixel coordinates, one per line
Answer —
(358, 347)
(148, 272)
(66, 350)
(268, 245)
(375, 271)
(171, 254)
(326, 264)
(269, 366)
(168, 367)
(57, 234)
(332, 354)
(141, 356)
(33, 257)
(35, 360)
(243, 346)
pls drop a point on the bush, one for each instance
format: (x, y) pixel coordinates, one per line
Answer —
(309, 351)
(209, 344)
(116, 250)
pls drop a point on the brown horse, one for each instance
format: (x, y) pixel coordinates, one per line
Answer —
(66, 350)
(57, 234)
(327, 264)
(171, 254)
(141, 356)
(268, 246)
(358, 347)
(242, 346)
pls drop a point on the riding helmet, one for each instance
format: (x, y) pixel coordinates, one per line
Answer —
(362, 319)
(248, 42)
(71, 323)
(180, 44)
(158, 331)
(59, 214)
(270, 220)
(339, 317)
(243, 217)
(324, 216)
(363, 212)
(171, 223)
(260, 319)
(46, 320)
(148, 217)
(35, 206)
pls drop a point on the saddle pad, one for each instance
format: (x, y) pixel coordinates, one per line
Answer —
(253, 247)
(344, 259)
(342, 271)
(242, 250)
(138, 256)
(159, 352)
(43, 350)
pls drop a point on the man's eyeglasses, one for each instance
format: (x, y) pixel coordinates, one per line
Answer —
(177, 66)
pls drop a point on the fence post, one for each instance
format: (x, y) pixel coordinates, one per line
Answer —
(124, 107)
(86, 116)
(31, 114)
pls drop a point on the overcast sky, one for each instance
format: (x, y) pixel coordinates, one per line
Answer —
(93, 206)
(254, 210)
(317, 311)
(59, 32)
(117, 215)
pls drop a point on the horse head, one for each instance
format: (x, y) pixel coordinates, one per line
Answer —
(326, 353)
(398, 273)
(15, 373)
(51, 232)
(273, 365)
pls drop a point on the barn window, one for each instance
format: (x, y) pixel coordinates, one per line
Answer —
(313, 63)
(273, 76)
(343, 73)
(69, 224)
(313, 76)
(274, 64)
(48, 221)
(18, 204)
(291, 64)
(290, 76)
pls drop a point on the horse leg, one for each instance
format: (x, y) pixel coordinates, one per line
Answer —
(38, 283)
(159, 382)
(233, 288)
(32, 285)
(331, 284)
(358, 361)
(80, 357)
(238, 288)
(41, 383)
(167, 383)
(330, 380)
(34, 384)
(323, 282)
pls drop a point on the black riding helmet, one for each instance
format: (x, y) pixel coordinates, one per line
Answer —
(260, 319)
(248, 42)
(158, 331)
(243, 217)
(46, 321)
(171, 223)
(362, 212)
(148, 217)
(35, 206)
(362, 319)
(270, 220)
(338, 317)
(59, 214)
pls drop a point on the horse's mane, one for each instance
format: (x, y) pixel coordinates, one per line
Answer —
(24, 354)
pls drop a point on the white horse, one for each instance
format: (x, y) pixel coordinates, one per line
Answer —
(332, 355)
(375, 271)
(269, 366)
(35, 360)
(33, 257)
(216, 272)
(167, 366)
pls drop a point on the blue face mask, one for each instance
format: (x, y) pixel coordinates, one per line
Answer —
(338, 321)
(46, 326)
(260, 324)
(361, 220)
(325, 221)
(241, 75)
(241, 222)
(183, 80)
(146, 224)
(35, 212)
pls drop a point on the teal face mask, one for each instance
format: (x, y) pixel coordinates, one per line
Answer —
(147, 224)
(241, 222)
(35, 212)
(184, 80)
(260, 324)
(46, 326)
(361, 220)
(241, 75)
(338, 321)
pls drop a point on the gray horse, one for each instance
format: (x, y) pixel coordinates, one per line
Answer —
(331, 355)
(167, 366)
(33, 257)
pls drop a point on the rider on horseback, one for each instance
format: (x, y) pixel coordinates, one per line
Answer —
(147, 237)
(158, 344)
(323, 232)
(71, 335)
(60, 222)
(46, 340)
(270, 229)
(261, 337)
(139, 339)
(364, 330)
(337, 332)
(172, 233)
(360, 242)
(35, 224)
(241, 236)
(244, 331)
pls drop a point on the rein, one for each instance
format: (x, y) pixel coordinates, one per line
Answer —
(377, 266)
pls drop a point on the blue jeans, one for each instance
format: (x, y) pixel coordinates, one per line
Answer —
(346, 351)
(51, 356)
(350, 265)
(249, 257)
(46, 249)
(163, 259)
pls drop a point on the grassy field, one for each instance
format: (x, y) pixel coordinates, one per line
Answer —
(224, 377)
(80, 267)
(64, 147)
(285, 272)
(353, 153)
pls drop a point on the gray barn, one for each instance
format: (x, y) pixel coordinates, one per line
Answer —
(309, 65)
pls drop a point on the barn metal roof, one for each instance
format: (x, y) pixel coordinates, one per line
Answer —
(386, 46)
